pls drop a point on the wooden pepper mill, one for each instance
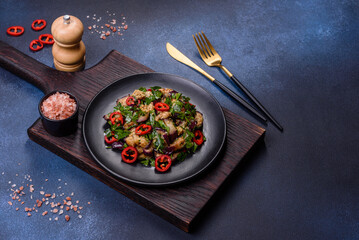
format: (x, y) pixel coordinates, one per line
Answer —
(68, 49)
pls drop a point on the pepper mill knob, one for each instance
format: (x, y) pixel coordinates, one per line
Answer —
(68, 50)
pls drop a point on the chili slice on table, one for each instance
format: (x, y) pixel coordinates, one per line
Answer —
(163, 163)
(143, 129)
(111, 140)
(129, 155)
(116, 117)
(36, 43)
(15, 31)
(198, 137)
(38, 24)
(160, 106)
(46, 39)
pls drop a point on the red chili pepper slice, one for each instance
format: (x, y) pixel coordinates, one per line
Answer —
(149, 89)
(143, 129)
(111, 140)
(46, 39)
(15, 31)
(116, 117)
(129, 155)
(160, 106)
(38, 24)
(130, 101)
(198, 137)
(36, 43)
(163, 163)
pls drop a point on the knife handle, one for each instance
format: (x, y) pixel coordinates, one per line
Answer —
(259, 105)
(239, 99)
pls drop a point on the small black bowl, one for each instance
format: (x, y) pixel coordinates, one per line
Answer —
(62, 127)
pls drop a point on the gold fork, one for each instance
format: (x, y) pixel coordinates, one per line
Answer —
(210, 56)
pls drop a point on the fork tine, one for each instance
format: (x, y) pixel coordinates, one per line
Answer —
(199, 48)
(204, 43)
(209, 44)
(208, 54)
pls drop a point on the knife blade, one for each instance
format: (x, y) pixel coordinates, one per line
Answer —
(176, 54)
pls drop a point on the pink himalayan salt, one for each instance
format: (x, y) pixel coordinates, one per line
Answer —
(58, 106)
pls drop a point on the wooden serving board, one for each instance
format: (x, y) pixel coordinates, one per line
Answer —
(180, 204)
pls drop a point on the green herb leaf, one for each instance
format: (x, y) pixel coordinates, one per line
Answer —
(152, 118)
(181, 156)
(157, 94)
(178, 95)
(143, 89)
(188, 139)
(168, 101)
(195, 146)
(120, 134)
(145, 162)
(163, 125)
(177, 106)
(155, 88)
(185, 99)
(150, 99)
(157, 140)
(152, 162)
(108, 132)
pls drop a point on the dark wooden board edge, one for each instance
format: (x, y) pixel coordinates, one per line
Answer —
(139, 194)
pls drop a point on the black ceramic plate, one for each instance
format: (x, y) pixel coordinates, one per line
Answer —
(214, 128)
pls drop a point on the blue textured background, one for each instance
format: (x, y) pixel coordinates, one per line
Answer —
(299, 58)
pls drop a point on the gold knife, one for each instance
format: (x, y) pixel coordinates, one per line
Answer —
(185, 60)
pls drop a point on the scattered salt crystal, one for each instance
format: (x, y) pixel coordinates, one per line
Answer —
(80, 216)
